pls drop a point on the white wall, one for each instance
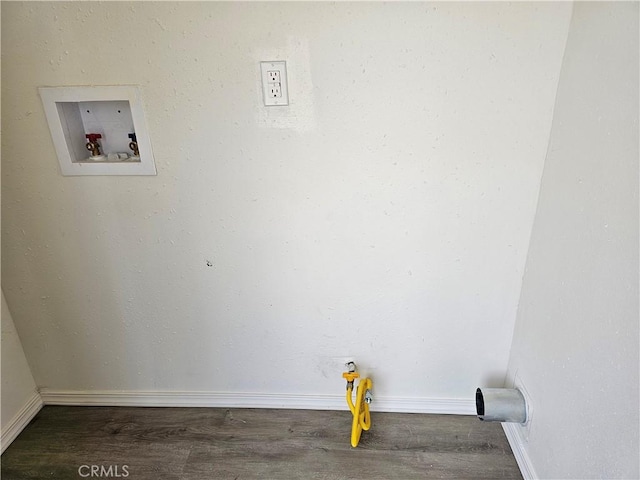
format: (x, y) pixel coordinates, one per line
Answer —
(385, 214)
(576, 341)
(18, 386)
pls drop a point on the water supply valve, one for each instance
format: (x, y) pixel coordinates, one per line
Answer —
(133, 145)
(92, 145)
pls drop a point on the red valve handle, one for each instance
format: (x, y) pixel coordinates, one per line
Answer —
(92, 137)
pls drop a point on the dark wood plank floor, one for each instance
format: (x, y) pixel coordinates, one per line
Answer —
(212, 443)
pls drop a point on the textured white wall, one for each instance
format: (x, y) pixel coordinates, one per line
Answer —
(18, 385)
(576, 341)
(385, 214)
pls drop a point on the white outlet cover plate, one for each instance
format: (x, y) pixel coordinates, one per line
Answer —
(266, 74)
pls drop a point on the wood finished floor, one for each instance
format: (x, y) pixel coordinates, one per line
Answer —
(214, 443)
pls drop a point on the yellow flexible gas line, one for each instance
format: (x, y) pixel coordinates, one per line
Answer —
(360, 411)
(350, 401)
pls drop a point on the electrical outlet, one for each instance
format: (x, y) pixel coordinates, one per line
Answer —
(275, 91)
(274, 83)
(273, 76)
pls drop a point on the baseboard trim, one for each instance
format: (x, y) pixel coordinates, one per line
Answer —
(512, 432)
(252, 400)
(20, 420)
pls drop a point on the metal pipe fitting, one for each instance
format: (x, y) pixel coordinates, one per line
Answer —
(501, 405)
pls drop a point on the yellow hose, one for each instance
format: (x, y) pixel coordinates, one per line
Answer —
(350, 401)
(360, 411)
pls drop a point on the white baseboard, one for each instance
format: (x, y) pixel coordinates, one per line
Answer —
(20, 420)
(253, 400)
(514, 436)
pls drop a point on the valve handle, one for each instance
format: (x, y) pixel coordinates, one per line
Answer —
(350, 376)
